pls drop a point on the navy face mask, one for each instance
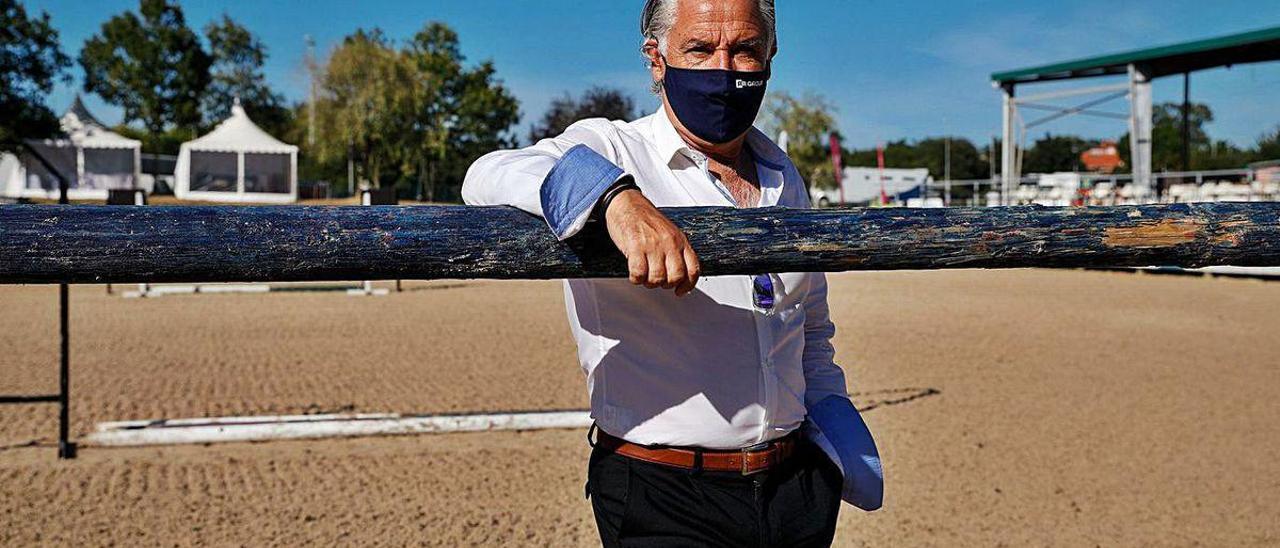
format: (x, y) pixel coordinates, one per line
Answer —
(716, 105)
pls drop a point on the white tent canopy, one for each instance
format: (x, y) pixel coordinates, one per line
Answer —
(93, 158)
(237, 162)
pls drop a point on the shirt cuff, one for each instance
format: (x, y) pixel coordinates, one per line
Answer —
(835, 426)
(572, 188)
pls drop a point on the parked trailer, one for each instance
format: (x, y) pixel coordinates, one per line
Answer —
(862, 186)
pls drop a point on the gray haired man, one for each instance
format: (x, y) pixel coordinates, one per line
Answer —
(722, 419)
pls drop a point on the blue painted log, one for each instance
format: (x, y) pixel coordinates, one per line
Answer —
(127, 244)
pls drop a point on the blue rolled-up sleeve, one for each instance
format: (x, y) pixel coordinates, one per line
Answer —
(837, 428)
(572, 188)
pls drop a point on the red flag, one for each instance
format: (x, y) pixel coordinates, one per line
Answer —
(836, 164)
(884, 198)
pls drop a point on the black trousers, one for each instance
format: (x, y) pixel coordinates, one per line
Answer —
(637, 503)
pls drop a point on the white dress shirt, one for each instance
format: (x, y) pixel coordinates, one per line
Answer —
(709, 369)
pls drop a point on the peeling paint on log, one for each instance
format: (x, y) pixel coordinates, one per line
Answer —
(127, 244)
(1167, 232)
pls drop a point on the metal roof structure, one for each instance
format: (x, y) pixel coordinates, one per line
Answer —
(1235, 49)
(1141, 66)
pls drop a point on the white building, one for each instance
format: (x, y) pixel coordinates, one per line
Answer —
(93, 158)
(863, 185)
(237, 162)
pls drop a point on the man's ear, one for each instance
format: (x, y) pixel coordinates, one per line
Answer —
(657, 68)
(774, 53)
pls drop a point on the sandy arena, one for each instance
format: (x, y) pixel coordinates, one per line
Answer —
(1055, 408)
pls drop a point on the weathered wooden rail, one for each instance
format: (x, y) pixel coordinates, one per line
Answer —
(125, 244)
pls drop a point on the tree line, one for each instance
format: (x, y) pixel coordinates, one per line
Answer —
(415, 114)
(809, 119)
(410, 113)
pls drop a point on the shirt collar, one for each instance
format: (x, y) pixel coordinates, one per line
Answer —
(670, 143)
(665, 136)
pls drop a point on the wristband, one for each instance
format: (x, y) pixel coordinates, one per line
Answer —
(623, 184)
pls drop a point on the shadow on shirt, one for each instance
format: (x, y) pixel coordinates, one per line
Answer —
(690, 362)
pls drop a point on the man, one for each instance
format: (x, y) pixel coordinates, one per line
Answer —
(722, 419)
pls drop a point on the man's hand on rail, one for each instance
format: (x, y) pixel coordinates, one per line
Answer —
(658, 253)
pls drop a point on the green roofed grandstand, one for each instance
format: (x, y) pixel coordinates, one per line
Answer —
(1246, 47)
(1141, 66)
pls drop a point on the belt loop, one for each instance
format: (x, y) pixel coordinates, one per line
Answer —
(591, 431)
(697, 461)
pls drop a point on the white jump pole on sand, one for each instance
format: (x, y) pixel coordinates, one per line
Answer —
(233, 429)
(366, 288)
(149, 290)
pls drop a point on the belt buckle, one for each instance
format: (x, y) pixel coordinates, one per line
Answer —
(746, 467)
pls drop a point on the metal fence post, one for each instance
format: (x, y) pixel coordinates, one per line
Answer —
(66, 447)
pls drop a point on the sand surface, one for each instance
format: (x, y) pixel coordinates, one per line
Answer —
(1071, 408)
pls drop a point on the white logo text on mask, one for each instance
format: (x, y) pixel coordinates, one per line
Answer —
(748, 83)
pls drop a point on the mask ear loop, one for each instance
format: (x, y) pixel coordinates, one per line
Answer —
(656, 86)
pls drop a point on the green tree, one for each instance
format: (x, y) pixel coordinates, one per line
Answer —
(1166, 134)
(311, 166)
(1221, 154)
(30, 63)
(1268, 146)
(897, 154)
(808, 121)
(1053, 153)
(966, 161)
(597, 102)
(413, 114)
(1206, 153)
(167, 142)
(367, 106)
(859, 157)
(236, 73)
(901, 154)
(1166, 137)
(466, 113)
(151, 65)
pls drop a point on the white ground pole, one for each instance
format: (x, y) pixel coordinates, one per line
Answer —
(366, 289)
(1253, 271)
(1261, 272)
(1140, 132)
(239, 429)
(152, 291)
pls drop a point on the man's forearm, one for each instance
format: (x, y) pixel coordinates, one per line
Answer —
(559, 179)
(574, 187)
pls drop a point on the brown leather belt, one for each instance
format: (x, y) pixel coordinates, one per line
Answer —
(749, 460)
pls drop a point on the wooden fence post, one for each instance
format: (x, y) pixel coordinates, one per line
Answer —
(125, 244)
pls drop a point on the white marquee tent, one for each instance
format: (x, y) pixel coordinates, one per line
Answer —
(93, 158)
(237, 162)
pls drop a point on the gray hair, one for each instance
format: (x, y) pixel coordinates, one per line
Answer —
(660, 15)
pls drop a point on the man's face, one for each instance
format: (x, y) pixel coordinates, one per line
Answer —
(717, 34)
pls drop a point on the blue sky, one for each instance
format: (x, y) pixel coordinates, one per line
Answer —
(894, 69)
